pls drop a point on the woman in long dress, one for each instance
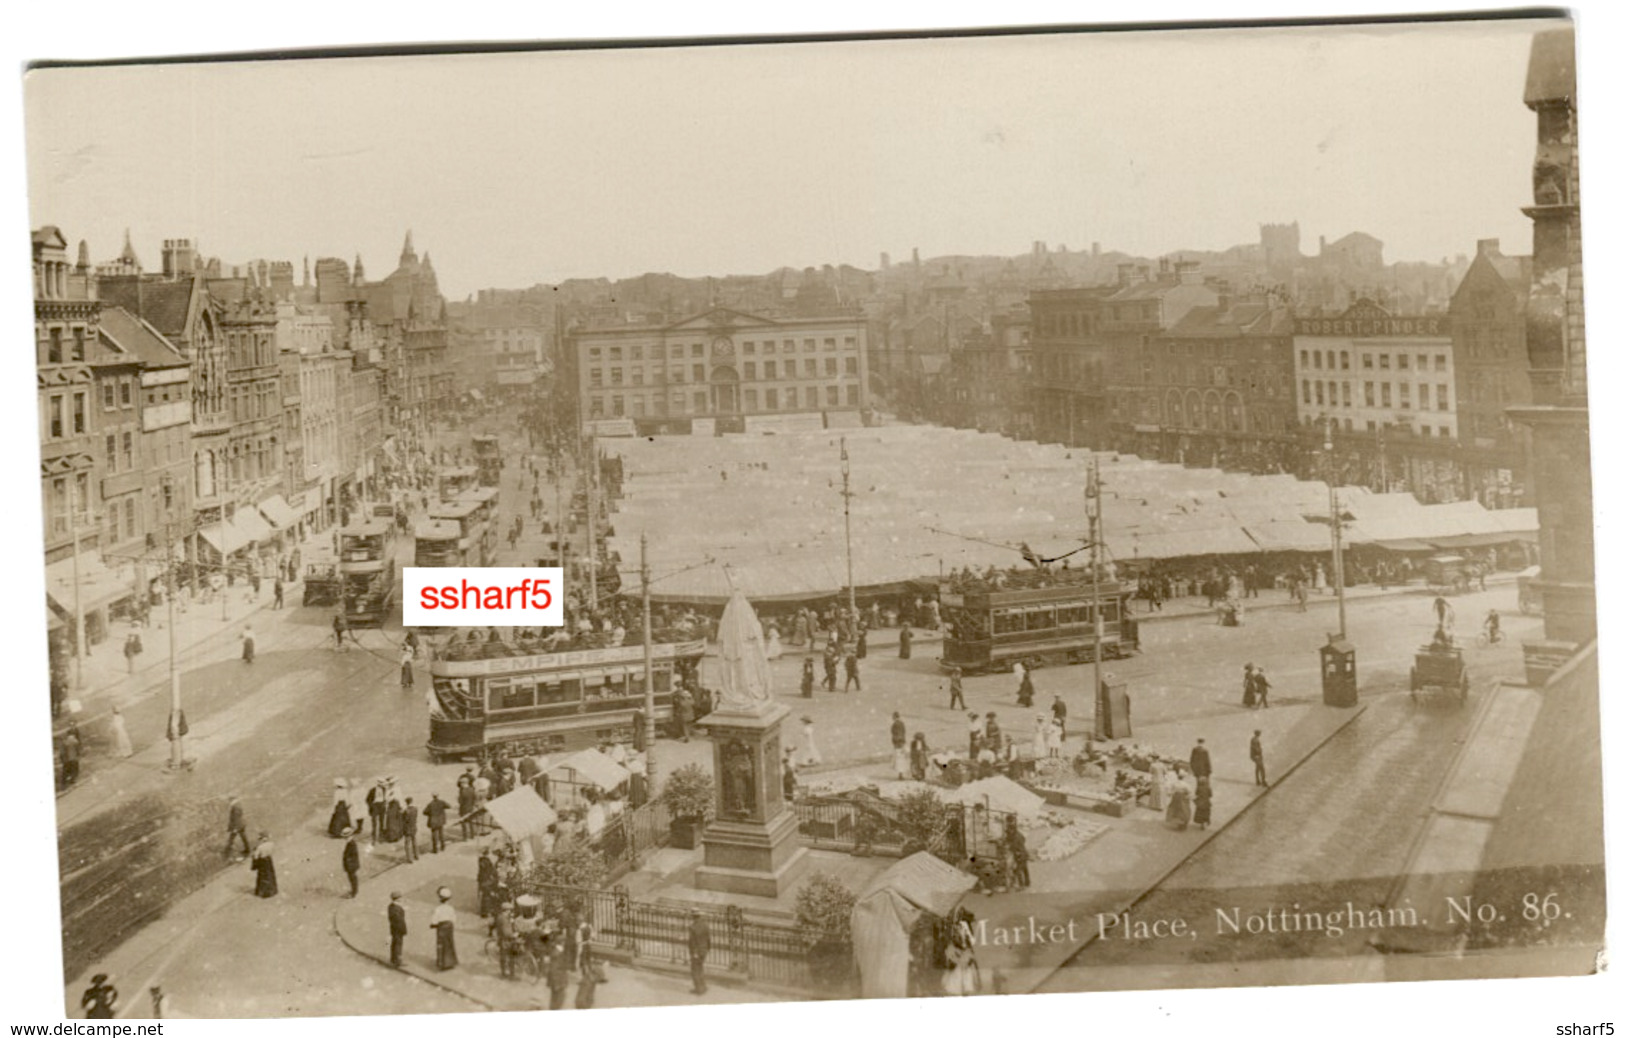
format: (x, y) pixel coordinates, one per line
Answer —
(902, 761)
(121, 735)
(1040, 737)
(264, 867)
(919, 755)
(812, 755)
(963, 976)
(1204, 803)
(339, 821)
(444, 921)
(905, 642)
(1159, 783)
(394, 816)
(1025, 693)
(798, 633)
(774, 648)
(1179, 803)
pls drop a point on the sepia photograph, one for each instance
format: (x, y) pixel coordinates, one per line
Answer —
(582, 524)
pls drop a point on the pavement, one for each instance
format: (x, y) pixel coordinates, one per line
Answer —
(277, 731)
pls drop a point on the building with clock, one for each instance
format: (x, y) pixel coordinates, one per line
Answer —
(723, 370)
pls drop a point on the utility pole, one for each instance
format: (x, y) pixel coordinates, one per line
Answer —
(177, 751)
(1092, 505)
(648, 672)
(1337, 543)
(78, 608)
(846, 496)
(592, 526)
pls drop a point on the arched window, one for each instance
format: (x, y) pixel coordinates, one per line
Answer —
(1215, 412)
(1234, 416)
(1176, 411)
(1193, 409)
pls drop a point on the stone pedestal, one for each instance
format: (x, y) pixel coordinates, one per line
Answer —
(753, 847)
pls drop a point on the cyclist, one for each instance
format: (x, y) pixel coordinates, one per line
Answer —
(1492, 626)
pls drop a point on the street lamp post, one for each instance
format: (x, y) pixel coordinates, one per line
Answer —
(648, 672)
(1337, 540)
(78, 608)
(1103, 720)
(846, 497)
(177, 735)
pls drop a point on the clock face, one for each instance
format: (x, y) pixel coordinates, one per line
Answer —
(722, 347)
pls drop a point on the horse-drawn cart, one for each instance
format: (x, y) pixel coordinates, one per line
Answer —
(1439, 666)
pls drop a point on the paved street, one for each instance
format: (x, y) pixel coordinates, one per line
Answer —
(141, 848)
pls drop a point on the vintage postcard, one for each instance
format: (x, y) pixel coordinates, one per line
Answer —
(768, 521)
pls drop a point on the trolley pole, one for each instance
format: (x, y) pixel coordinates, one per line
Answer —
(1102, 705)
(1337, 544)
(846, 497)
(648, 672)
(177, 750)
(592, 527)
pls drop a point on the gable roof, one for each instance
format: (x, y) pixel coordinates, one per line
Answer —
(166, 305)
(720, 317)
(135, 337)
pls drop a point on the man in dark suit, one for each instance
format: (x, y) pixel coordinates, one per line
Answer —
(397, 928)
(1256, 752)
(436, 815)
(352, 862)
(1201, 763)
(409, 830)
(699, 946)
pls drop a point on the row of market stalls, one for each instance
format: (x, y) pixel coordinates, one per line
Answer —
(928, 500)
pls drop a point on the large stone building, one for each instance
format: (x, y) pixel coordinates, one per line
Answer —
(1222, 376)
(1559, 419)
(1142, 309)
(1381, 387)
(739, 370)
(1069, 366)
(408, 314)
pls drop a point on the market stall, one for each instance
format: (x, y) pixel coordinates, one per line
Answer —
(523, 817)
(888, 916)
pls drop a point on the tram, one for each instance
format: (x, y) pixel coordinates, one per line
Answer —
(994, 628)
(367, 573)
(488, 460)
(471, 532)
(454, 482)
(519, 698)
(438, 543)
(486, 502)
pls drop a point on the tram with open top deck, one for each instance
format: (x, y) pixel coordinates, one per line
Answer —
(367, 572)
(512, 694)
(992, 628)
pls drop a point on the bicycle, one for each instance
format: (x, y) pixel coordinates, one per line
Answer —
(1487, 638)
(524, 958)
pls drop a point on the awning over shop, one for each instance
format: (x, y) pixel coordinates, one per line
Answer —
(251, 527)
(97, 586)
(279, 512)
(223, 538)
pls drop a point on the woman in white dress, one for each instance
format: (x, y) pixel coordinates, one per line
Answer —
(811, 756)
(1040, 737)
(774, 649)
(1159, 783)
(121, 735)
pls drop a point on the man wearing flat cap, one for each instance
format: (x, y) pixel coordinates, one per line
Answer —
(352, 862)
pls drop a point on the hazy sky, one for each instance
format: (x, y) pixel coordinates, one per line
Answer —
(514, 169)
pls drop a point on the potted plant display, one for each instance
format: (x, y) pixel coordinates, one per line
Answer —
(689, 795)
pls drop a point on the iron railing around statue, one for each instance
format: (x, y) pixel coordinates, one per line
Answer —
(658, 934)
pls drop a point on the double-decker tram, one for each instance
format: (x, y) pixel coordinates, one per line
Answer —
(486, 501)
(454, 482)
(437, 543)
(510, 693)
(488, 460)
(470, 531)
(367, 573)
(992, 628)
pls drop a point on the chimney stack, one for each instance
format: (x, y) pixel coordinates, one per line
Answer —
(1489, 246)
(1189, 272)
